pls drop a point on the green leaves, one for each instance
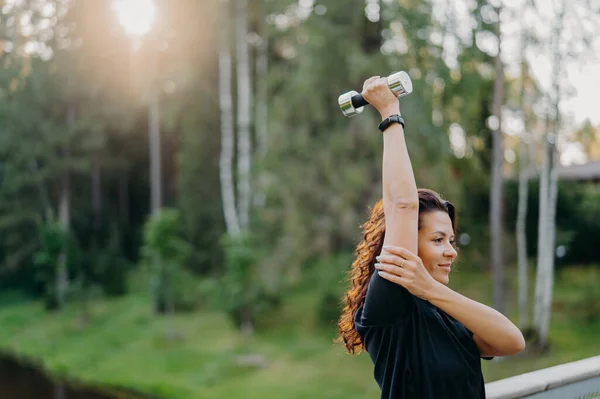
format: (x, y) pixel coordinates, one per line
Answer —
(165, 253)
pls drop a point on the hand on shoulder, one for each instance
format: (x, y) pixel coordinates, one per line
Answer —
(401, 266)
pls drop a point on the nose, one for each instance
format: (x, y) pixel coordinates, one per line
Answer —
(450, 252)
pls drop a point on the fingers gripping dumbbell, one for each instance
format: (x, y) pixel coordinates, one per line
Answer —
(352, 102)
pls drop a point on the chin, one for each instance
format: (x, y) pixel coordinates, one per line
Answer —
(443, 279)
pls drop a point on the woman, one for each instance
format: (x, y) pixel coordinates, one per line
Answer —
(424, 339)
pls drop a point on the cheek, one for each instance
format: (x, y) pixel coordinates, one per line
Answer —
(427, 252)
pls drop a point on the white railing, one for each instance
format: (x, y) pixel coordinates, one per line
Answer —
(576, 380)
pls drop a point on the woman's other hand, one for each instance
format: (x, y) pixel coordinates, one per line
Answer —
(400, 266)
(378, 94)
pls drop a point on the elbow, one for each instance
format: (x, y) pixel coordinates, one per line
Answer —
(518, 344)
(411, 203)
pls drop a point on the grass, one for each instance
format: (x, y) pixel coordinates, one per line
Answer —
(124, 345)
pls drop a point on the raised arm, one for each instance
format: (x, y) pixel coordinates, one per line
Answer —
(400, 199)
(386, 302)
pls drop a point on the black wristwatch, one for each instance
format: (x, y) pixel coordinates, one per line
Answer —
(389, 120)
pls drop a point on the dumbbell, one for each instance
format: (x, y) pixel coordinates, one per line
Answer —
(352, 103)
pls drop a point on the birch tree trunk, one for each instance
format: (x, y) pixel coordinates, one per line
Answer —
(541, 272)
(261, 108)
(496, 194)
(545, 275)
(155, 172)
(521, 234)
(227, 139)
(243, 114)
(243, 136)
(524, 166)
(155, 157)
(64, 215)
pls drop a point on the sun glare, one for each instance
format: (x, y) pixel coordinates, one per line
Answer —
(136, 16)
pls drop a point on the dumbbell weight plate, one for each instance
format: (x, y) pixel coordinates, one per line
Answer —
(400, 84)
(345, 102)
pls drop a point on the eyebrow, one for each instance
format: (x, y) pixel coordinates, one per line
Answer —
(442, 233)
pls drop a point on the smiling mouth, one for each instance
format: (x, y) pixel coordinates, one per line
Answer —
(446, 266)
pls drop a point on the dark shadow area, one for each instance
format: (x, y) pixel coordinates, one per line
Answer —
(25, 381)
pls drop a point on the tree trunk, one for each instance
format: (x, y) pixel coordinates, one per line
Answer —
(521, 234)
(64, 215)
(44, 196)
(497, 183)
(541, 273)
(227, 139)
(155, 164)
(59, 391)
(244, 87)
(261, 109)
(155, 161)
(524, 164)
(545, 275)
(243, 114)
(96, 193)
(124, 198)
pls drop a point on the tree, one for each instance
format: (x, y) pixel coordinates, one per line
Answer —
(496, 194)
(560, 51)
(165, 251)
(227, 134)
(526, 97)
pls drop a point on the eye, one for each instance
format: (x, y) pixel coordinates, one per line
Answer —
(438, 240)
(453, 242)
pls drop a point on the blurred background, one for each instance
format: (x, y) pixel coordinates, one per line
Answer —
(180, 195)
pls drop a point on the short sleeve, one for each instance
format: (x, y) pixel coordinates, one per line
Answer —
(385, 302)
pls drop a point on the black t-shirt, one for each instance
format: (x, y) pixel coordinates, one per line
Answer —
(419, 351)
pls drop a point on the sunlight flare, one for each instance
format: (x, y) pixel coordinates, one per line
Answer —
(136, 16)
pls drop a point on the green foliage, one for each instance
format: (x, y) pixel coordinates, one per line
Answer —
(55, 241)
(122, 346)
(241, 287)
(240, 263)
(165, 252)
(107, 266)
(577, 214)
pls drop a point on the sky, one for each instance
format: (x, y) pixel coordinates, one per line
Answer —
(580, 77)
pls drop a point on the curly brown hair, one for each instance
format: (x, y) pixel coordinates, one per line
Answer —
(363, 266)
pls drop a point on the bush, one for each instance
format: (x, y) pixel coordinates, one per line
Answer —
(164, 252)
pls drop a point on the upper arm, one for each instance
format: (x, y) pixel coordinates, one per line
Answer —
(387, 302)
(402, 223)
(488, 351)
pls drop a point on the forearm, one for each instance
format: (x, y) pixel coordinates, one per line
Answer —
(489, 325)
(397, 177)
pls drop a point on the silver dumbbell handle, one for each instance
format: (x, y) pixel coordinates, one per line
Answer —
(352, 103)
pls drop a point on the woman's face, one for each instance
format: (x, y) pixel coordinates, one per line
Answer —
(435, 244)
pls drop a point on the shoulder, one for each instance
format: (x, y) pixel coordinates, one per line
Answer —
(385, 303)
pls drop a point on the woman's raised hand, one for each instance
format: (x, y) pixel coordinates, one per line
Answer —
(378, 94)
(400, 266)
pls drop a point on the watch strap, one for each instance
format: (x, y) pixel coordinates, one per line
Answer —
(389, 121)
